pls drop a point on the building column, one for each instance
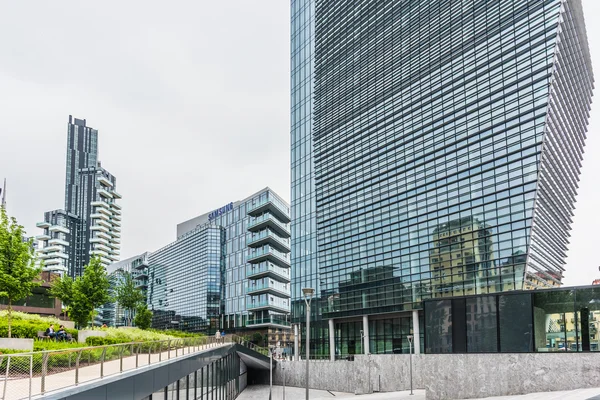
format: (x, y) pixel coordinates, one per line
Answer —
(366, 333)
(416, 333)
(331, 340)
(296, 346)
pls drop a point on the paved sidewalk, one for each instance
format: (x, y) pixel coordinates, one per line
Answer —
(261, 392)
(19, 388)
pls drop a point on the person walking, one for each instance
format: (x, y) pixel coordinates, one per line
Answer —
(223, 336)
(217, 336)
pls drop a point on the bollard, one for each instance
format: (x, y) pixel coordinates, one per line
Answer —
(6, 378)
(169, 350)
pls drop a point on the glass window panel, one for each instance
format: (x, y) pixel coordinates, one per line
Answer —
(438, 326)
(516, 323)
(482, 328)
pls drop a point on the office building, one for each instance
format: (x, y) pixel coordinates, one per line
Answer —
(229, 269)
(112, 314)
(422, 131)
(90, 223)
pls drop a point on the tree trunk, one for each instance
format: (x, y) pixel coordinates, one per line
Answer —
(9, 315)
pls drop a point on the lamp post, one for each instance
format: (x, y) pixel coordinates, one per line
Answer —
(271, 351)
(410, 339)
(308, 293)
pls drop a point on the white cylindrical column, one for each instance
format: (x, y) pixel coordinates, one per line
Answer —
(366, 332)
(416, 333)
(331, 340)
(296, 344)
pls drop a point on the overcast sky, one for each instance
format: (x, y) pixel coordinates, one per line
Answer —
(191, 100)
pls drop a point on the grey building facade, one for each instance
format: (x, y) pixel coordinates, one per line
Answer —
(441, 143)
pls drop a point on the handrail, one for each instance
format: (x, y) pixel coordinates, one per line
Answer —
(19, 371)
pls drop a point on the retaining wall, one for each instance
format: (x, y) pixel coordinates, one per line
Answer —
(449, 376)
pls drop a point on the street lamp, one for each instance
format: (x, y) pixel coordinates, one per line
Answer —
(308, 293)
(410, 340)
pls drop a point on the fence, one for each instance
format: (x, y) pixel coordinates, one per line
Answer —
(24, 375)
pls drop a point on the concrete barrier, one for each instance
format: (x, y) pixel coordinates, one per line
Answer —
(82, 335)
(449, 376)
(16, 344)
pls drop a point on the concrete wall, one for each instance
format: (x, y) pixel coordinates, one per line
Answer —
(82, 335)
(450, 376)
(16, 344)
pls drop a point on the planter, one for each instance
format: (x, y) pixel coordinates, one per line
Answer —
(82, 335)
(16, 344)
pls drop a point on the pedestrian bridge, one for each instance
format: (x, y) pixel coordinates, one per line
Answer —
(198, 371)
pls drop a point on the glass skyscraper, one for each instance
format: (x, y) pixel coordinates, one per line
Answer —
(436, 148)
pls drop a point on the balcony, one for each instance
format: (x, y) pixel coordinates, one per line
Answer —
(268, 254)
(105, 193)
(99, 239)
(99, 246)
(97, 252)
(269, 221)
(274, 321)
(102, 222)
(104, 181)
(267, 237)
(54, 267)
(141, 283)
(99, 203)
(55, 255)
(58, 228)
(101, 216)
(143, 274)
(99, 228)
(267, 305)
(50, 249)
(116, 206)
(43, 225)
(116, 195)
(43, 237)
(273, 205)
(103, 235)
(105, 211)
(264, 270)
(275, 289)
(57, 241)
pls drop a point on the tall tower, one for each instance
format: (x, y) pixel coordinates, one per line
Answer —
(436, 148)
(90, 224)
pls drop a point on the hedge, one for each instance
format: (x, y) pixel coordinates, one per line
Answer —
(28, 329)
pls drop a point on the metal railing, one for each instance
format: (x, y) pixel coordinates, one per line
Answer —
(24, 375)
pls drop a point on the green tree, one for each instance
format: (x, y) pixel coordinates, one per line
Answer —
(62, 289)
(18, 273)
(128, 296)
(90, 291)
(143, 317)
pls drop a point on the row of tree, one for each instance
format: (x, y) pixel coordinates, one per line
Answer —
(81, 296)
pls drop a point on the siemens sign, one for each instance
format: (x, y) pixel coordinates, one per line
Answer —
(220, 211)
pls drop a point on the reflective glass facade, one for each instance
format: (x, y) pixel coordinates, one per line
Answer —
(555, 320)
(239, 258)
(447, 138)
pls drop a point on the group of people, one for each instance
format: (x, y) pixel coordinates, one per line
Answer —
(220, 336)
(61, 334)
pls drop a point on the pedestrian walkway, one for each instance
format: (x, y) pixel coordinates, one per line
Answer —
(17, 389)
(261, 392)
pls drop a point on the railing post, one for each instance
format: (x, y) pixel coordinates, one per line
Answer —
(44, 370)
(169, 350)
(102, 362)
(137, 353)
(30, 373)
(149, 352)
(121, 358)
(160, 351)
(77, 367)
(6, 378)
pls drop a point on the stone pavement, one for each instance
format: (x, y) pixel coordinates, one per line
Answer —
(19, 388)
(261, 392)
